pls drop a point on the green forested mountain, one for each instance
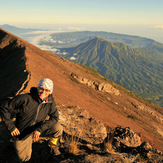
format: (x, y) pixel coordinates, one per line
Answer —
(139, 70)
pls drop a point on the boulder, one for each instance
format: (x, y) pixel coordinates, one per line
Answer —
(125, 136)
(104, 87)
(78, 123)
(108, 88)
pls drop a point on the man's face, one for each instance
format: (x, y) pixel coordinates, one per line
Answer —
(43, 92)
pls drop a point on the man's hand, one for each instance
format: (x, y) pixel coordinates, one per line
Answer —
(36, 136)
(16, 132)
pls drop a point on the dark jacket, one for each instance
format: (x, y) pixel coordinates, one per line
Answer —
(30, 113)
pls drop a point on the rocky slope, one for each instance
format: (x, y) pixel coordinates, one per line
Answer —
(87, 140)
(22, 65)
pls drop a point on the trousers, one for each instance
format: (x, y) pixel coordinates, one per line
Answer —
(24, 147)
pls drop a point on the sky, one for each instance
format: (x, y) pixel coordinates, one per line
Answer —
(136, 17)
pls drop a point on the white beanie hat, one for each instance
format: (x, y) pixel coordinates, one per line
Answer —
(47, 83)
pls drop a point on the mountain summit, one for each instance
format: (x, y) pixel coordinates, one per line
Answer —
(137, 71)
(22, 65)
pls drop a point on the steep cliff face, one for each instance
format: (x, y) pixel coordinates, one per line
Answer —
(13, 68)
(22, 65)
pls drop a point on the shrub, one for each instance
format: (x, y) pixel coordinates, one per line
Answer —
(132, 117)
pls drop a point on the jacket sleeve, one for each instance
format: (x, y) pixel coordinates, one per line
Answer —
(6, 110)
(53, 118)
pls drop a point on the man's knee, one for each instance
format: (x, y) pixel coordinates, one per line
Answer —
(56, 130)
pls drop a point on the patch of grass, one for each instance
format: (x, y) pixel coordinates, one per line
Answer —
(92, 71)
(126, 160)
(108, 147)
(132, 117)
(72, 142)
(74, 80)
(72, 147)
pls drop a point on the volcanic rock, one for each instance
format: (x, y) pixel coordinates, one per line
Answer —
(78, 123)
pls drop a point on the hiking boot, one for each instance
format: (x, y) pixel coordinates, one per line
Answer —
(53, 146)
(55, 153)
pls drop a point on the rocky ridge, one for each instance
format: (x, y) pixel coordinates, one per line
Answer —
(104, 87)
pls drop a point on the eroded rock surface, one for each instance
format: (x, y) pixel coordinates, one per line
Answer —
(105, 87)
(146, 109)
(126, 136)
(77, 122)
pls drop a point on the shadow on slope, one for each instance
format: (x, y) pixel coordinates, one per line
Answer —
(12, 65)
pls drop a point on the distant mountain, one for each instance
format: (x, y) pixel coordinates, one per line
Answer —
(129, 67)
(155, 51)
(70, 39)
(16, 30)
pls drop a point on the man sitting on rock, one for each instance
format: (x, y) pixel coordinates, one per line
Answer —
(31, 110)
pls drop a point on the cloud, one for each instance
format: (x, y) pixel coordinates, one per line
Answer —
(48, 48)
(75, 28)
(72, 58)
(159, 26)
(64, 53)
(42, 32)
